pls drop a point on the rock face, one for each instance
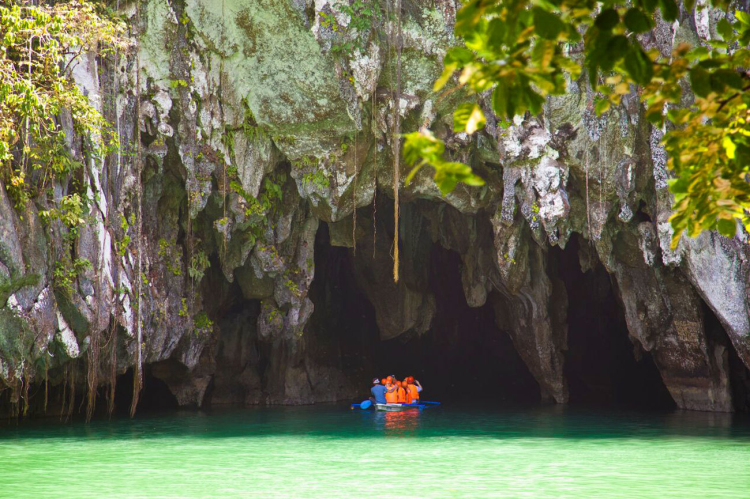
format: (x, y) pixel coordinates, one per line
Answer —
(258, 129)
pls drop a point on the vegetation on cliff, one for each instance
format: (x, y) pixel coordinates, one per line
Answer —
(523, 51)
(39, 44)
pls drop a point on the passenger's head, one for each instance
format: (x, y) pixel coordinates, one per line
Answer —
(410, 380)
(400, 384)
(389, 379)
(376, 381)
(384, 381)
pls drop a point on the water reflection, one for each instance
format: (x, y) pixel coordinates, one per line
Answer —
(398, 423)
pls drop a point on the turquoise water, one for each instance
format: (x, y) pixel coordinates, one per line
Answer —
(330, 451)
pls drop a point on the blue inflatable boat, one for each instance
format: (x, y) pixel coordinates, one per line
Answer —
(366, 405)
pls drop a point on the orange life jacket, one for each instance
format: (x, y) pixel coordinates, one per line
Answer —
(401, 395)
(391, 397)
(412, 395)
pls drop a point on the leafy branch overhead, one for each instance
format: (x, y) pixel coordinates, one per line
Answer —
(39, 46)
(523, 51)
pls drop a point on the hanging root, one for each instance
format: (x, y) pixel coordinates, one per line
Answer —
(138, 369)
(92, 378)
(397, 145)
(25, 383)
(374, 193)
(46, 380)
(354, 200)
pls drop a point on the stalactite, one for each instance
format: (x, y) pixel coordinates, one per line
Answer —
(396, 144)
(138, 368)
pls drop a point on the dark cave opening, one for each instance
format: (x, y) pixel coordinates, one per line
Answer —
(155, 395)
(464, 357)
(739, 374)
(343, 323)
(602, 366)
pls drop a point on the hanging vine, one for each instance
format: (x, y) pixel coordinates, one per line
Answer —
(354, 199)
(588, 210)
(138, 369)
(374, 188)
(396, 142)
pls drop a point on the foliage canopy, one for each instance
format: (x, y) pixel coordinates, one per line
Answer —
(39, 46)
(523, 51)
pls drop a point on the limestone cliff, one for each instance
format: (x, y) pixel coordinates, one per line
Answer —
(256, 131)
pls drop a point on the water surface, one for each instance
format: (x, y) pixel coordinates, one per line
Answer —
(330, 451)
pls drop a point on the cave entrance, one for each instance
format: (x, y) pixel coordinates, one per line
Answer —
(464, 357)
(155, 395)
(601, 365)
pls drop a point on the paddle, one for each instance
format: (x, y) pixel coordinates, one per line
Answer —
(365, 404)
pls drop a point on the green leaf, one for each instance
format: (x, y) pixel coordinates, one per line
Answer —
(724, 28)
(413, 172)
(650, 5)
(499, 100)
(534, 101)
(607, 20)
(460, 55)
(678, 186)
(742, 17)
(473, 179)
(727, 228)
(638, 65)
(699, 53)
(669, 10)
(700, 80)
(729, 146)
(636, 21)
(617, 48)
(496, 33)
(448, 71)
(468, 16)
(446, 184)
(602, 106)
(729, 77)
(422, 145)
(546, 24)
(468, 118)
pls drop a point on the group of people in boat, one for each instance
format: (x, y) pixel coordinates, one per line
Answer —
(392, 391)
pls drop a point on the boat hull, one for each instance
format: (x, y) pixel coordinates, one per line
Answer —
(398, 407)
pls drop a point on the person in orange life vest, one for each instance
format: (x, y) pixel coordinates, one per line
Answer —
(401, 392)
(391, 395)
(413, 388)
(389, 387)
